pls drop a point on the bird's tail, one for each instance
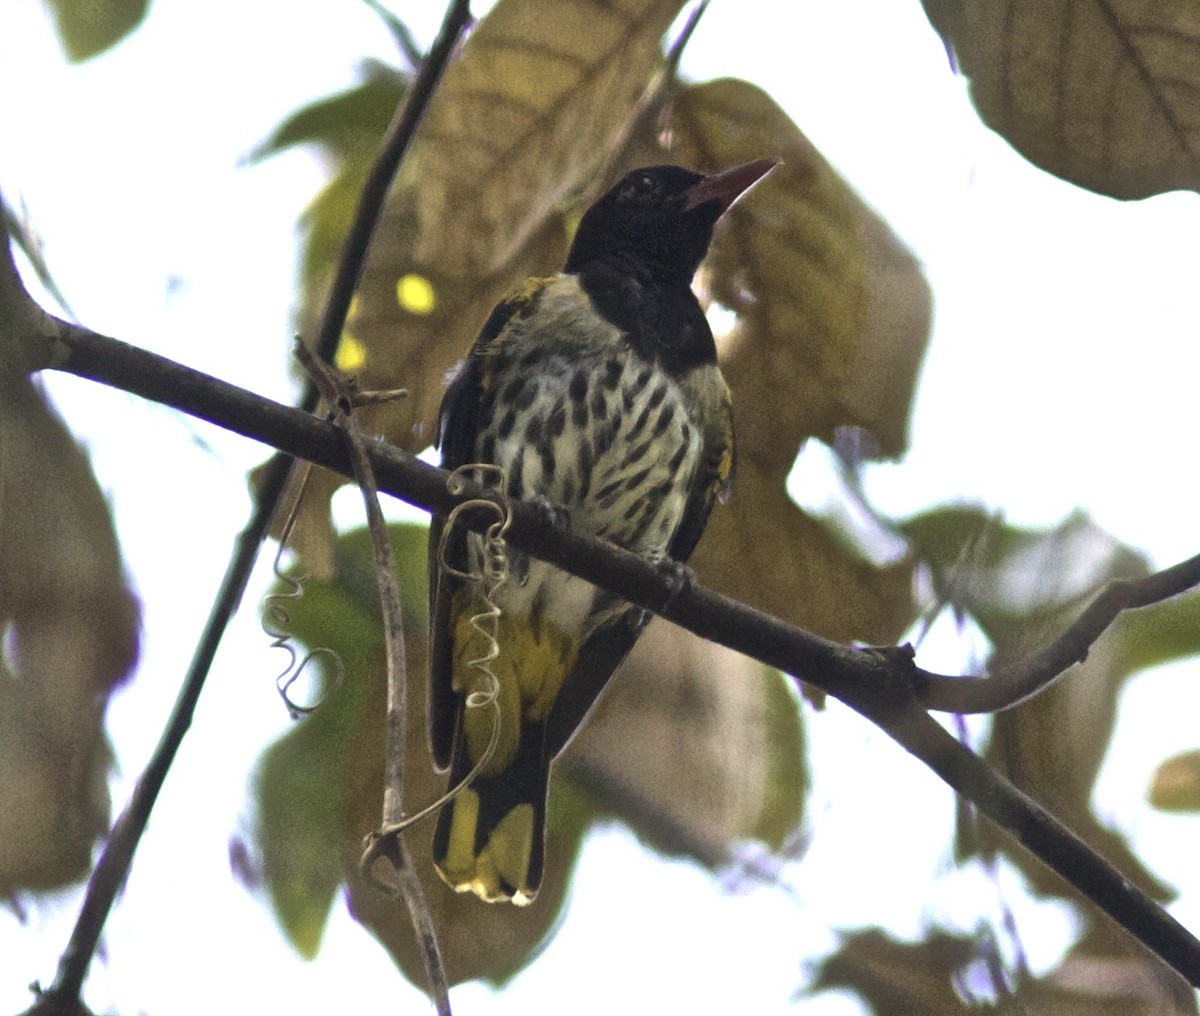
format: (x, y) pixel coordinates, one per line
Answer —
(490, 838)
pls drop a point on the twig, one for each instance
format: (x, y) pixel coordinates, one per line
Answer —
(22, 234)
(675, 53)
(115, 860)
(1016, 683)
(388, 841)
(883, 685)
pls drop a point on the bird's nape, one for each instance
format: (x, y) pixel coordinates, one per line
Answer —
(657, 222)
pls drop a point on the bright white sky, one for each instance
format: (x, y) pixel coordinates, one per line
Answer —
(1061, 376)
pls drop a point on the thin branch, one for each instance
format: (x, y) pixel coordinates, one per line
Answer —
(1016, 683)
(27, 332)
(115, 860)
(396, 142)
(881, 684)
(675, 53)
(344, 397)
(22, 234)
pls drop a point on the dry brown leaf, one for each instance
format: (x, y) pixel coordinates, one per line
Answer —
(762, 549)
(544, 90)
(1051, 747)
(69, 627)
(1104, 93)
(899, 979)
(1128, 982)
(834, 317)
(834, 310)
(697, 746)
(417, 351)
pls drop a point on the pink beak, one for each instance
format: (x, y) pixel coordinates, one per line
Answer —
(726, 187)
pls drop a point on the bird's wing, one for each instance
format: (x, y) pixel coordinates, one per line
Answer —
(601, 653)
(458, 427)
(714, 473)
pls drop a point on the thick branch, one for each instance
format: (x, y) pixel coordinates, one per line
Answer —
(879, 684)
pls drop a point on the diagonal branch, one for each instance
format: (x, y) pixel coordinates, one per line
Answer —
(881, 684)
(116, 859)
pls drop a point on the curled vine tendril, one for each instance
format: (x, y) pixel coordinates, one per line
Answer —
(276, 623)
(492, 573)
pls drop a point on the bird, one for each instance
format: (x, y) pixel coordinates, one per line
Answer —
(595, 391)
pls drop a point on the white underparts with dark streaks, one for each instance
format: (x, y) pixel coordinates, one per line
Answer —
(595, 429)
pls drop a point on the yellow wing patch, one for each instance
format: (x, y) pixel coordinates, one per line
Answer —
(533, 662)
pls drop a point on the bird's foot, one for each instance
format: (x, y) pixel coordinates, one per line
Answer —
(549, 513)
(677, 575)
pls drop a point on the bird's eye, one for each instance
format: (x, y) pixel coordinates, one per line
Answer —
(640, 187)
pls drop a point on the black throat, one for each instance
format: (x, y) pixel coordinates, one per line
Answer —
(663, 320)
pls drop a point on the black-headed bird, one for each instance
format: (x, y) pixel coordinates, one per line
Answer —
(598, 390)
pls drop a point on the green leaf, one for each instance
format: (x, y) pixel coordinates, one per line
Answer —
(89, 27)
(1013, 581)
(301, 783)
(349, 125)
(299, 819)
(319, 791)
(1161, 633)
(1176, 783)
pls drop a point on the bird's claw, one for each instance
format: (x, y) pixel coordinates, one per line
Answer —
(677, 575)
(549, 513)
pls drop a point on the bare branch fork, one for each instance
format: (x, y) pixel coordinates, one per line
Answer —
(387, 842)
(884, 685)
(44, 331)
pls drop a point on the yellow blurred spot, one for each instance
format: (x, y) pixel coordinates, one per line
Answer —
(351, 354)
(459, 862)
(572, 224)
(415, 294)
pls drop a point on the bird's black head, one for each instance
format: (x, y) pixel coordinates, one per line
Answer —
(658, 221)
